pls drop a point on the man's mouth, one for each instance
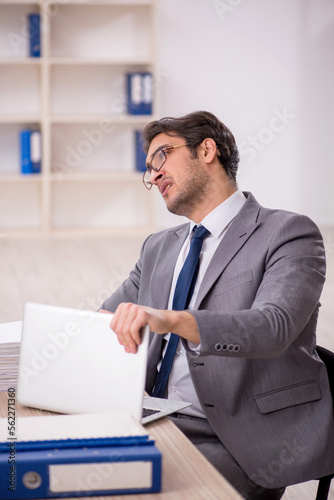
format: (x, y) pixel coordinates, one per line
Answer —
(165, 187)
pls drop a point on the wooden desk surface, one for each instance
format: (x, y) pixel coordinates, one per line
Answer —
(186, 474)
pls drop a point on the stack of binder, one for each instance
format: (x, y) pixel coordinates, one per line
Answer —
(78, 455)
(9, 362)
(10, 334)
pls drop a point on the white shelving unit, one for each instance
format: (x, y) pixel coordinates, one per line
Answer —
(75, 93)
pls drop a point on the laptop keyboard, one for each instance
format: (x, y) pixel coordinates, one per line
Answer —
(149, 411)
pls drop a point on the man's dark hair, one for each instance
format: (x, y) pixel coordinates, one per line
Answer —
(194, 128)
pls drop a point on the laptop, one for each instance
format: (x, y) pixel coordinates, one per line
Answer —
(71, 362)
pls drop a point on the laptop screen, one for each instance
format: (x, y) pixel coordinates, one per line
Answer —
(72, 362)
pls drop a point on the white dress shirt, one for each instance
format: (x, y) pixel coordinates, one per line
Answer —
(180, 386)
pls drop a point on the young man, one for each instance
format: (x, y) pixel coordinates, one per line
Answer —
(261, 405)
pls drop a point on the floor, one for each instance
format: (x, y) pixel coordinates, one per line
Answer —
(81, 271)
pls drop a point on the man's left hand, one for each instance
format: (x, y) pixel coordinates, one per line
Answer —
(129, 319)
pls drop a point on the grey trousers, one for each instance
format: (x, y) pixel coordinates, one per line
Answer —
(201, 434)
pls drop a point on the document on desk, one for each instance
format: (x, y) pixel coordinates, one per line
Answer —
(10, 338)
(77, 455)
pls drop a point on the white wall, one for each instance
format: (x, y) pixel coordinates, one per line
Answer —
(265, 68)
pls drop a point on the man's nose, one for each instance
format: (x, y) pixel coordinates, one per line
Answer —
(155, 176)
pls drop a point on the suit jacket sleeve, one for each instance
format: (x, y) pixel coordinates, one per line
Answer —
(287, 282)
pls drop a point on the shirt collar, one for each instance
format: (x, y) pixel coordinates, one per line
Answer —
(217, 220)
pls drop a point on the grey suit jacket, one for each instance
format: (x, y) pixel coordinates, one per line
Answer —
(258, 378)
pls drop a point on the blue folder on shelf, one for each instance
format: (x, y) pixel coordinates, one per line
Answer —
(140, 154)
(30, 151)
(139, 93)
(34, 35)
(77, 455)
(26, 167)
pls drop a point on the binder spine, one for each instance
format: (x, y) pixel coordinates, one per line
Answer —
(76, 443)
(147, 83)
(139, 93)
(140, 154)
(26, 167)
(34, 35)
(58, 473)
(35, 151)
(30, 151)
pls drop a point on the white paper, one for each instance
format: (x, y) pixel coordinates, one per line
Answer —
(10, 332)
(83, 426)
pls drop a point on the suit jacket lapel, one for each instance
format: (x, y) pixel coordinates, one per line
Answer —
(162, 275)
(242, 227)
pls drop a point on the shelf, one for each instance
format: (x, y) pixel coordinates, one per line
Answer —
(15, 119)
(13, 29)
(110, 30)
(63, 176)
(108, 118)
(103, 3)
(97, 176)
(33, 61)
(96, 3)
(21, 2)
(20, 177)
(75, 94)
(10, 150)
(79, 61)
(21, 203)
(82, 148)
(20, 89)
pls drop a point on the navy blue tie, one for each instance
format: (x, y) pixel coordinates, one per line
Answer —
(183, 291)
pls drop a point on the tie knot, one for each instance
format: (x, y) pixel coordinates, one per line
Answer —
(200, 232)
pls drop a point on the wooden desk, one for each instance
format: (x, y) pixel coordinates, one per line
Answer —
(186, 474)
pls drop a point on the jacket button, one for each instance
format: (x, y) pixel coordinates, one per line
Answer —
(230, 347)
(236, 348)
(218, 347)
(225, 346)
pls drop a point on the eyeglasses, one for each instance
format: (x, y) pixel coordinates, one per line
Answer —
(157, 162)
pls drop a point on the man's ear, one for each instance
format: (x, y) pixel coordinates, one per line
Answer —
(208, 150)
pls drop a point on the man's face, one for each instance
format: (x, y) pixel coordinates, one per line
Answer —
(183, 181)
